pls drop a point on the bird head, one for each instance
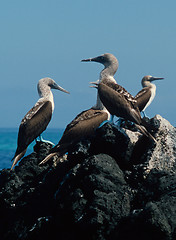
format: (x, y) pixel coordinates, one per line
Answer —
(51, 83)
(105, 59)
(148, 79)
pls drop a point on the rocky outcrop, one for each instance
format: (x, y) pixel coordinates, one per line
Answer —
(118, 184)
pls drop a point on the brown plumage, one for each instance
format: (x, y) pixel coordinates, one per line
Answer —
(118, 101)
(83, 125)
(147, 94)
(37, 119)
(114, 97)
(32, 125)
(121, 103)
(143, 97)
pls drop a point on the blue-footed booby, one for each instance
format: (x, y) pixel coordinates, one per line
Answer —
(121, 103)
(110, 63)
(83, 125)
(38, 118)
(147, 94)
(114, 97)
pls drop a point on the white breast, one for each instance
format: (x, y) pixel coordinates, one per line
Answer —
(153, 93)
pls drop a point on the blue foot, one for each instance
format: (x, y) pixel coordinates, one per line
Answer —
(106, 121)
(119, 121)
(144, 115)
(45, 141)
(111, 120)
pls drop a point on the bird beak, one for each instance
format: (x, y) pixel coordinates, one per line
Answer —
(95, 84)
(87, 60)
(155, 78)
(56, 86)
(95, 59)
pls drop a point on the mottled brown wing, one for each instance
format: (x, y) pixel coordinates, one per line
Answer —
(33, 124)
(142, 98)
(83, 125)
(122, 91)
(119, 102)
(80, 117)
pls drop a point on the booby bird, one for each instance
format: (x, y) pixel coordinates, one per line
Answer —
(110, 63)
(38, 118)
(147, 94)
(83, 125)
(121, 103)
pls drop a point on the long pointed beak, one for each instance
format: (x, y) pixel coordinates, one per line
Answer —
(156, 78)
(87, 60)
(95, 84)
(56, 86)
(95, 59)
(63, 90)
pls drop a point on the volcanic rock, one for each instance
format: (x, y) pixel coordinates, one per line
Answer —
(117, 184)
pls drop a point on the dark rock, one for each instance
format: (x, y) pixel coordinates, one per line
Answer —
(117, 184)
(112, 140)
(93, 195)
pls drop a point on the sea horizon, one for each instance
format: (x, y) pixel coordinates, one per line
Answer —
(8, 143)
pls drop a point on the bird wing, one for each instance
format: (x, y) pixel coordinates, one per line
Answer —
(33, 124)
(118, 101)
(142, 98)
(83, 125)
(122, 91)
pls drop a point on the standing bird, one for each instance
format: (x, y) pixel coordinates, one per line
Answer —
(38, 118)
(83, 125)
(114, 97)
(121, 103)
(110, 63)
(147, 94)
(87, 121)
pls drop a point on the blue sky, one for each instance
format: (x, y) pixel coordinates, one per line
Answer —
(48, 38)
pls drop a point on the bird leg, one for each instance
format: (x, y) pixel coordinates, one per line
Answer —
(45, 141)
(107, 121)
(144, 115)
(119, 121)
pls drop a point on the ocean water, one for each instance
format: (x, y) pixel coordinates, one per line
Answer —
(8, 143)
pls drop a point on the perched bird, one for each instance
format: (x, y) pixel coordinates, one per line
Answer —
(87, 121)
(114, 97)
(83, 125)
(147, 94)
(120, 103)
(38, 118)
(110, 63)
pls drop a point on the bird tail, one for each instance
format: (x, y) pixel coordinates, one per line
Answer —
(145, 132)
(58, 150)
(17, 158)
(47, 158)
